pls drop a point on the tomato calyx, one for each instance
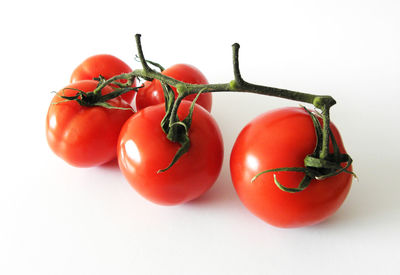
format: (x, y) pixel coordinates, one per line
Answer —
(95, 97)
(175, 129)
(315, 166)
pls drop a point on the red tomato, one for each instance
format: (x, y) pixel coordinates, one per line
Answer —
(85, 136)
(105, 65)
(276, 139)
(143, 149)
(152, 93)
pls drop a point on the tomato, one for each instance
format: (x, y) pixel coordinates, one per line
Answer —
(276, 139)
(84, 136)
(105, 65)
(152, 93)
(143, 149)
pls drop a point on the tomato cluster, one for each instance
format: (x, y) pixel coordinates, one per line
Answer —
(85, 133)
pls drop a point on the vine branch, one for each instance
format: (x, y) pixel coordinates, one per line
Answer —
(320, 164)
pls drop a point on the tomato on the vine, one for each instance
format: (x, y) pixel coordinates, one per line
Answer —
(105, 65)
(143, 149)
(152, 93)
(276, 139)
(84, 136)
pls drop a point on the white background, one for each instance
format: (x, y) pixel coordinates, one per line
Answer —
(57, 219)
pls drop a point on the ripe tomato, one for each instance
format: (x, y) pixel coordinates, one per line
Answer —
(276, 139)
(84, 136)
(152, 93)
(143, 149)
(105, 65)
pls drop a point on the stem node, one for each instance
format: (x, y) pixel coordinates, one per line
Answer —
(181, 89)
(323, 102)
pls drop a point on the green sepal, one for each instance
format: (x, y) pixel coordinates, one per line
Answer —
(185, 145)
(169, 98)
(336, 150)
(68, 98)
(318, 132)
(305, 182)
(117, 92)
(345, 158)
(311, 161)
(109, 106)
(176, 130)
(302, 185)
(188, 118)
(95, 98)
(100, 78)
(76, 97)
(283, 169)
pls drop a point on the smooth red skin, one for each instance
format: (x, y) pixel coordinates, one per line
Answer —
(84, 136)
(143, 149)
(282, 138)
(105, 65)
(152, 93)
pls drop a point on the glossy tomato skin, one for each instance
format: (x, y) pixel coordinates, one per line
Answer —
(282, 138)
(153, 94)
(84, 136)
(143, 149)
(105, 65)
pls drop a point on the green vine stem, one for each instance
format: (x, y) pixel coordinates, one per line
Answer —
(322, 102)
(238, 84)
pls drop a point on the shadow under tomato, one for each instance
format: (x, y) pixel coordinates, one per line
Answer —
(221, 193)
(112, 164)
(365, 206)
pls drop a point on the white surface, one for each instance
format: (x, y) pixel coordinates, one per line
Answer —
(56, 219)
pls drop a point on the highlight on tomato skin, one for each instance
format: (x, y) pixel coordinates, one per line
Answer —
(84, 136)
(105, 65)
(152, 93)
(143, 150)
(276, 139)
